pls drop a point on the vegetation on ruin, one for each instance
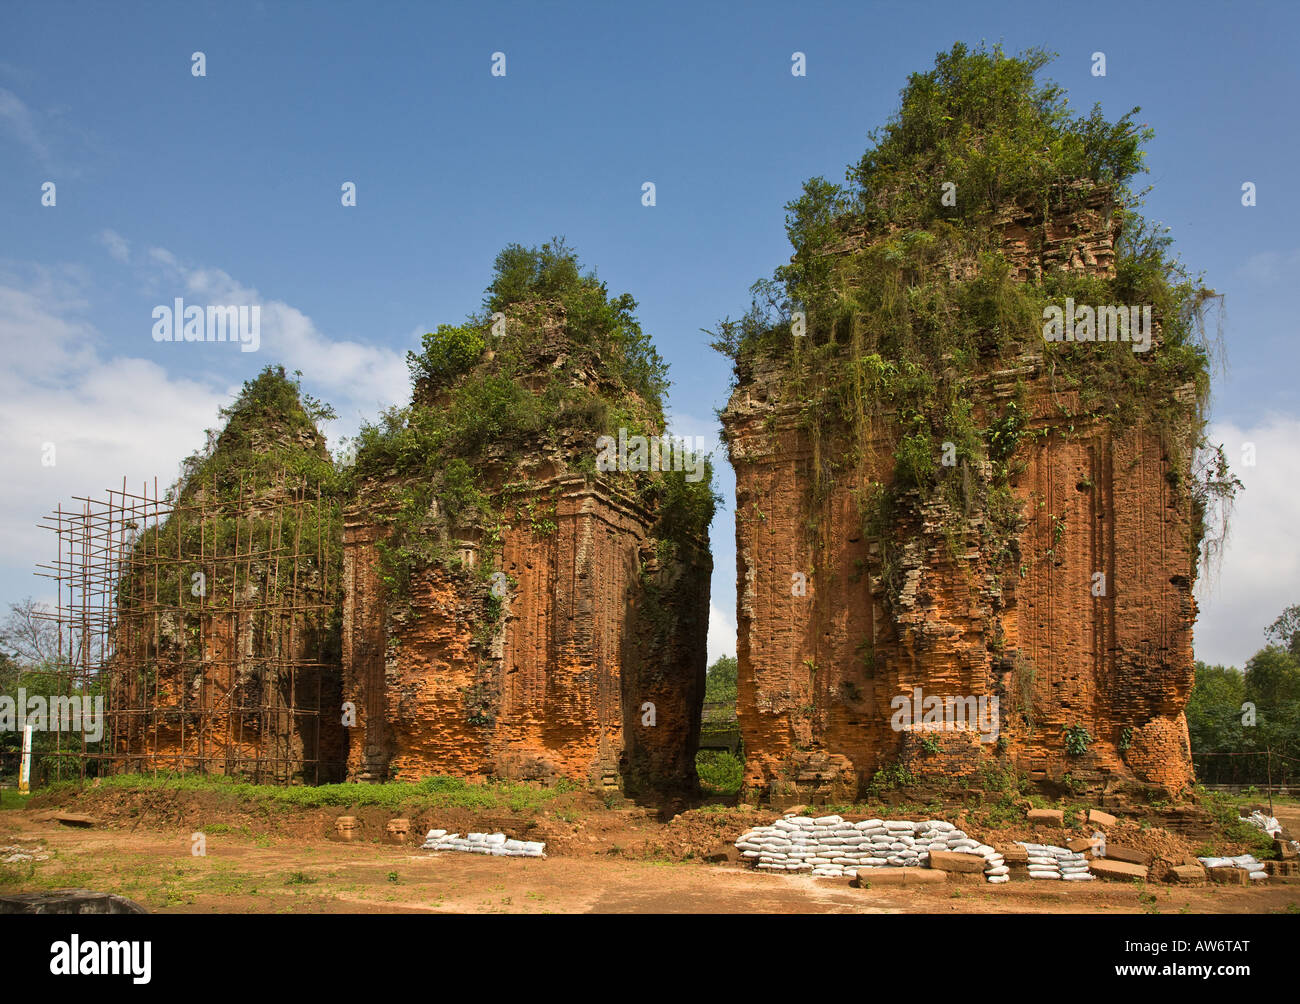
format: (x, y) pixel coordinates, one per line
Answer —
(550, 363)
(228, 524)
(899, 312)
(910, 304)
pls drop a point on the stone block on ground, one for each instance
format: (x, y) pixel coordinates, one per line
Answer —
(723, 853)
(898, 876)
(1046, 817)
(1119, 852)
(1106, 868)
(955, 861)
(1098, 818)
(1184, 874)
(68, 901)
(1228, 875)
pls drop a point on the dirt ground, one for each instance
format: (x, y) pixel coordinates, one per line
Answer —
(601, 860)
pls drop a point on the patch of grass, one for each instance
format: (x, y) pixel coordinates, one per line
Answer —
(438, 792)
(19, 873)
(720, 773)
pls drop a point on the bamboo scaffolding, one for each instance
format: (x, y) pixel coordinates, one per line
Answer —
(193, 679)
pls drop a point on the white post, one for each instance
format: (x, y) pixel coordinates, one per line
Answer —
(25, 765)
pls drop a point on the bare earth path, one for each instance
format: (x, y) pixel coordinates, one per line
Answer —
(262, 874)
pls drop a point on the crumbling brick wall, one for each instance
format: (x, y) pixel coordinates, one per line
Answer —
(819, 667)
(557, 687)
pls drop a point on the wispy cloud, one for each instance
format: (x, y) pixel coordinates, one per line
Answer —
(119, 248)
(17, 120)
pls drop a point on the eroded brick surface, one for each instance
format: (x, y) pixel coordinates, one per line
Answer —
(817, 672)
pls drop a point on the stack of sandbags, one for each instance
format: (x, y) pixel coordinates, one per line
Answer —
(1047, 861)
(1269, 825)
(830, 847)
(1246, 862)
(496, 844)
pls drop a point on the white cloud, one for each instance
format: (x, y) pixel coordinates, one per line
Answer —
(114, 415)
(89, 408)
(1260, 573)
(17, 119)
(1271, 266)
(358, 379)
(118, 246)
(722, 633)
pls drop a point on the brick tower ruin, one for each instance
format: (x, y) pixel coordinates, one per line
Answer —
(930, 495)
(514, 612)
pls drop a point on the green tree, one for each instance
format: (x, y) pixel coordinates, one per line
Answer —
(1285, 630)
(720, 682)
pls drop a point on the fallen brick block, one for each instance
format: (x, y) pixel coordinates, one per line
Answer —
(1118, 852)
(723, 854)
(1284, 849)
(898, 876)
(398, 830)
(68, 818)
(1047, 817)
(1014, 854)
(955, 861)
(1184, 874)
(1106, 868)
(1079, 844)
(1227, 875)
(1098, 818)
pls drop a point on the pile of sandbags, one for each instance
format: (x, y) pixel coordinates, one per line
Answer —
(829, 847)
(496, 844)
(1246, 862)
(1269, 825)
(1047, 861)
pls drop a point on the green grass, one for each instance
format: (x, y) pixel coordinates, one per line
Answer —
(10, 799)
(431, 792)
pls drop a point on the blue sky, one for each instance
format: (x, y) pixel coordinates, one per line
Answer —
(229, 184)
